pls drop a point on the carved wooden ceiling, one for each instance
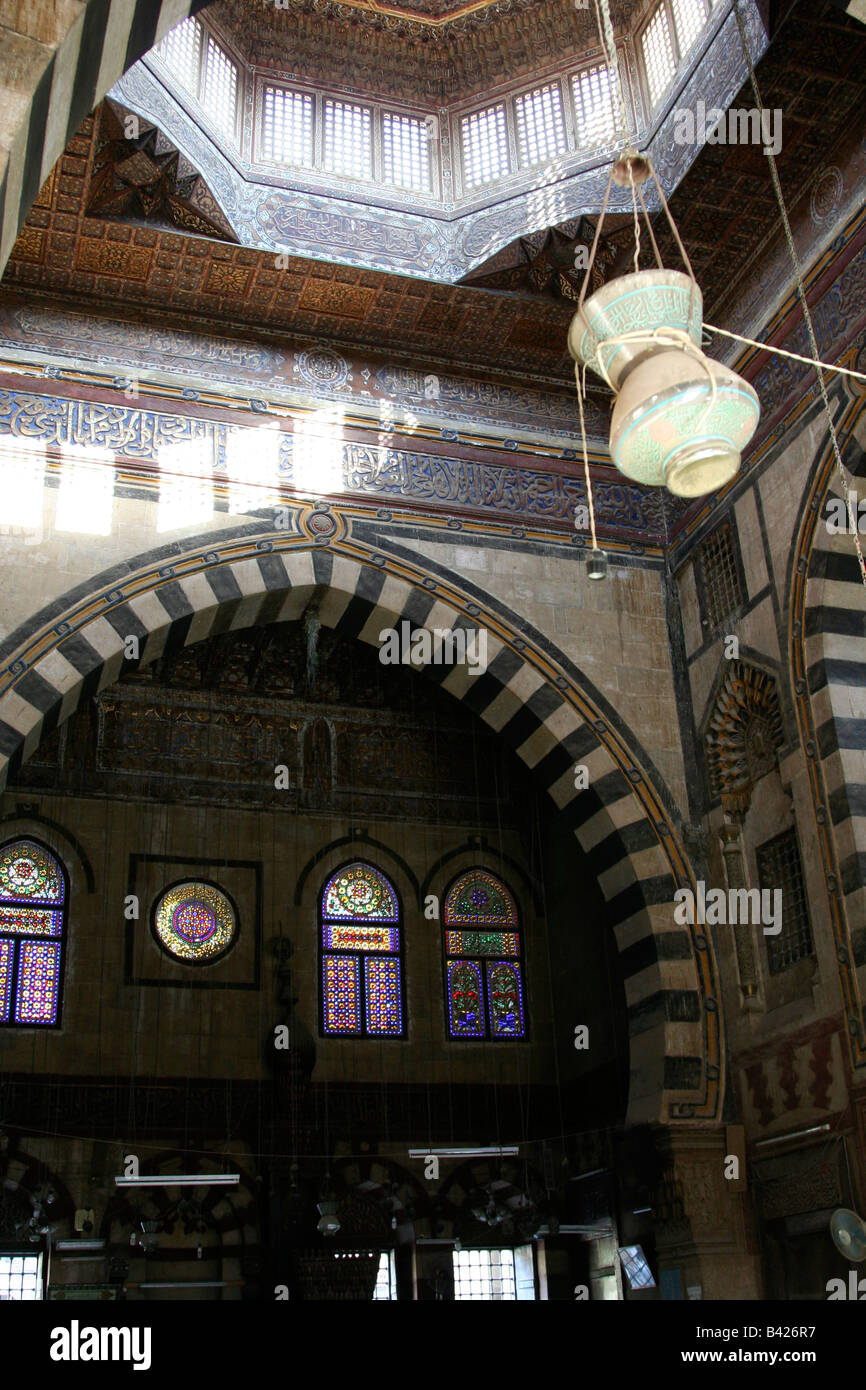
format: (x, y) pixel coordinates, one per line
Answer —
(725, 209)
(145, 179)
(431, 51)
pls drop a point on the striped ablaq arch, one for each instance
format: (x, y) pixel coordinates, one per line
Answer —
(621, 820)
(828, 617)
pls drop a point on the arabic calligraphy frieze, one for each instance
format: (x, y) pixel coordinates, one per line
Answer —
(520, 493)
(487, 400)
(137, 434)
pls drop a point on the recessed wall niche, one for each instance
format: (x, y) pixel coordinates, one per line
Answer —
(147, 963)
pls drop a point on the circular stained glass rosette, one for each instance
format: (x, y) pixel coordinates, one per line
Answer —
(195, 922)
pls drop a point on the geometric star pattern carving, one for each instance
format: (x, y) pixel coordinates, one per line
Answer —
(544, 263)
(141, 177)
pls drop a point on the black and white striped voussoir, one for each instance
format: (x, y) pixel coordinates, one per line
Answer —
(104, 40)
(527, 710)
(835, 648)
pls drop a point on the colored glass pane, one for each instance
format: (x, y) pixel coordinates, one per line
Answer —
(465, 1016)
(354, 937)
(479, 899)
(341, 991)
(194, 922)
(482, 943)
(28, 873)
(38, 978)
(7, 949)
(31, 921)
(359, 893)
(505, 1000)
(382, 996)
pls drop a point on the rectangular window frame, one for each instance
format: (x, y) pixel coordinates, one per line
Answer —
(679, 55)
(196, 93)
(712, 624)
(651, 105)
(552, 84)
(18, 939)
(12, 1251)
(479, 190)
(482, 962)
(325, 952)
(774, 944)
(383, 115)
(264, 87)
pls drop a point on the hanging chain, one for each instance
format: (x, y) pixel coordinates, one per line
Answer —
(636, 218)
(608, 44)
(807, 316)
(580, 390)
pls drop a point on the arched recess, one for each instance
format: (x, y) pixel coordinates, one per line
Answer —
(56, 63)
(543, 708)
(827, 642)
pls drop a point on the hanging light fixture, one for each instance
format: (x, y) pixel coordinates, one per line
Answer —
(681, 420)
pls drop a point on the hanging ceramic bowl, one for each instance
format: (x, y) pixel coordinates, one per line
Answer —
(670, 429)
(643, 301)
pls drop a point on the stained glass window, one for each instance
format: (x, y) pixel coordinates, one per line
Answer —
(33, 904)
(360, 944)
(194, 922)
(483, 970)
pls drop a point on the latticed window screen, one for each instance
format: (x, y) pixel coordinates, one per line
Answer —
(484, 1275)
(180, 50)
(721, 580)
(219, 95)
(540, 124)
(348, 139)
(779, 866)
(287, 126)
(405, 152)
(20, 1278)
(657, 49)
(484, 137)
(594, 105)
(690, 16)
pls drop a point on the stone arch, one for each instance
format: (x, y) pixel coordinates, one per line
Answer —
(544, 708)
(827, 635)
(63, 60)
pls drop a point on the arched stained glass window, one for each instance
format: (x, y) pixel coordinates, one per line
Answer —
(33, 905)
(483, 965)
(195, 922)
(361, 955)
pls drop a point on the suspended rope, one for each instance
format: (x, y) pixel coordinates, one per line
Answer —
(782, 352)
(801, 292)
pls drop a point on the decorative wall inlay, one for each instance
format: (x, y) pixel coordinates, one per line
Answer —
(826, 194)
(743, 735)
(210, 723)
